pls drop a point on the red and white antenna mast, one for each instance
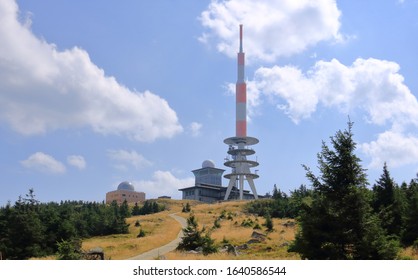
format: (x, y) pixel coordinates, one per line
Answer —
(238, 145)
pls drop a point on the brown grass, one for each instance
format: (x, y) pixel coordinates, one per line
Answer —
(160, 229)
(274, 247)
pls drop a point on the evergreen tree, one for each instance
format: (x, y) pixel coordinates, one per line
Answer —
(69, 250)
(411, 231)
(136, 210)
(384, 190)
(389, 202)
(298, 198)
(339, 223)
(269, 222)
(195, 238)
(124, 210)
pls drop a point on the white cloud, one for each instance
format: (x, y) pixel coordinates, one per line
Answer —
(392, 147)
(45, 89)
(195, 129)
(272, 28)
(163, 183)
(369, 84)
(372, 86)
(77, 161)
(291, 85)
(44, 163)
(125, 158)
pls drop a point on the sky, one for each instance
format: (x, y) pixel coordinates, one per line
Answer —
(93, 93)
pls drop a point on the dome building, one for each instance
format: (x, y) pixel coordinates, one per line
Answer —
(125, 191)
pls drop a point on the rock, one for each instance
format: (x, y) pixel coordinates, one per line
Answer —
(259, 236)
(252, 241)
(284, 244)
(242, 247)
(289, 224)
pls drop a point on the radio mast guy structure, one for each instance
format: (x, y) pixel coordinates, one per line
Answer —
(239, 145)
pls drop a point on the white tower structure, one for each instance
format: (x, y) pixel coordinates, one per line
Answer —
(239, 145)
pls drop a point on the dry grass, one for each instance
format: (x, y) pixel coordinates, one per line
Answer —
(409, 253)
(231, 230)
(160, 229)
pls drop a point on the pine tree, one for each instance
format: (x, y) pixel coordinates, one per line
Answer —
(195, 238)
(269, 222)
(339, 223)
(411, 231)
(389, 202)
(136, 210)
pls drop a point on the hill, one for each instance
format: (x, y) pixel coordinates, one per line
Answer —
(235, 227)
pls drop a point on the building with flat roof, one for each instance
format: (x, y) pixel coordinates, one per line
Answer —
(208, 185)
(125, 191)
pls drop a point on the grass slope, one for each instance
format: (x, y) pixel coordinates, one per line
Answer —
(161, 229)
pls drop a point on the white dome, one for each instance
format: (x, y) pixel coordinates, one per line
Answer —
(208, 163)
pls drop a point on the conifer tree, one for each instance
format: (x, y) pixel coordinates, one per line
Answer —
(339, 223)
(389, 202)
(195, 238)
(411, 232)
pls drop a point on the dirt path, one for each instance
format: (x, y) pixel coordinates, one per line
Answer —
(157, 252)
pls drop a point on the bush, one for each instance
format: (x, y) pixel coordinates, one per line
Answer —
(141, 233)
(415, 247)
(194, 238)
(247, 223)
(217, 224)
(69, 250)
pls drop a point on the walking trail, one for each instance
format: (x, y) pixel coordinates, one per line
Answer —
(157, 252)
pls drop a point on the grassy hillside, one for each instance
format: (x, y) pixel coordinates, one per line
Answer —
(161, 229)
(236, 228)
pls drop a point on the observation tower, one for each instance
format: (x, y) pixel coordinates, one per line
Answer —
(239, 146)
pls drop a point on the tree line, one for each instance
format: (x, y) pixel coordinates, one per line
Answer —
(341, 216)
(33, 229)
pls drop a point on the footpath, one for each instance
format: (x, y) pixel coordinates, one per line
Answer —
(158, 252)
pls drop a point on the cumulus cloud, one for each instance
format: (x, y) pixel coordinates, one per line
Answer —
(195, 129)
(124, 159)
(272, 28)
(77, 161)
(376, 86)
(393, 147)
(371, 85)
(44, 163)
(44, 89)
(163, 183)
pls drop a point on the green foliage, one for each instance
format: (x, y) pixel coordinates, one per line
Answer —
(411, 229)
(281, 205)
(216, 223)
(339, 223)
(141, 233)
(257, 226)
(269, 222)
(208, 246)
(390, 203)
(415, 246)
(247, 223)
(32, 229)
(149, 207)
(69, 250)
(186, 208)
(194, 238)
(136, 210)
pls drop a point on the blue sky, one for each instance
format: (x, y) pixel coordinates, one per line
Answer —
(93, 93)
